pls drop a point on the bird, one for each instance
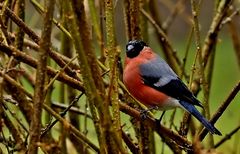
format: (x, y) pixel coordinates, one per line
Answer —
(150, 80)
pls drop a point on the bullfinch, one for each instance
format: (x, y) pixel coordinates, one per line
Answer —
(151, 81)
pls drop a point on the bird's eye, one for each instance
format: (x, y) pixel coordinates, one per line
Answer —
(134, 47)
(130, 47)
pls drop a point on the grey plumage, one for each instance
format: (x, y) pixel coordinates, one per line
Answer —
(158, 74)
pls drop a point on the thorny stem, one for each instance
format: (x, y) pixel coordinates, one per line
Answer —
(56, 115)
(36, 39)
(112, 57)
(164, 132)
(23, 57)
(93, 83)
(38, 99)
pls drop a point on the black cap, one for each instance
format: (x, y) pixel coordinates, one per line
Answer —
(134, 47)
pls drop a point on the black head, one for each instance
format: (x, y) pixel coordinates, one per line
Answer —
(134, 47)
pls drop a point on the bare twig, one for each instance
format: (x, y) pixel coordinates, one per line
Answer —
(59, 72)
(11, 80)
(178, 7)
(235, 38)
(62, 120)
(41, 10)
(221, 109)
(134, 149)
(227, 137)
(162, 131)
(36, 39)
(211, 38)
(23, 57)
(72, 109)
(63, 113)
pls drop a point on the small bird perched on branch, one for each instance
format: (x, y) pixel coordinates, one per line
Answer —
(152, 82)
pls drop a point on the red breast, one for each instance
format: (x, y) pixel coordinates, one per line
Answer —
(133, 82)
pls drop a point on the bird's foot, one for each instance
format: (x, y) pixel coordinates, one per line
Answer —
(143, 113)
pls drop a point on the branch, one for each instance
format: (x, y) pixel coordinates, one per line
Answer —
(162, 131)
(227, 137)
(221, 109)
(233, 28)
(72, 109)
(23, 57)
(112, 97)
(39, 92)
(166, 133)
(211, 38)
(63, 113)
(36, 39)
(87, 60)
(64, 122)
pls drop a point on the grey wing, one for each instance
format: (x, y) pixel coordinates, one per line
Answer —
(158, 70)
(158, 75)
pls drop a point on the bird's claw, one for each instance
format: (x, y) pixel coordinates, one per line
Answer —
(143, 114)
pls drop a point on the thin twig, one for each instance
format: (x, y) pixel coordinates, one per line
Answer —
(72, 109)
(214, 29)
(11, 80)
(221, 109)
(59, 72)
(205, 84)
(227, 137)
(18, 120)
(229, 18)
(66, 124)
(233, 28)
(23, 57)
(163, 131)
(36, 39)
(177, 10)
(41, 10)
(63, 113)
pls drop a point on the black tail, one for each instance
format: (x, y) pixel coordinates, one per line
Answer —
(191, 109)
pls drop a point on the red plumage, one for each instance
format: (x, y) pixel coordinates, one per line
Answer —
(132, 80)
